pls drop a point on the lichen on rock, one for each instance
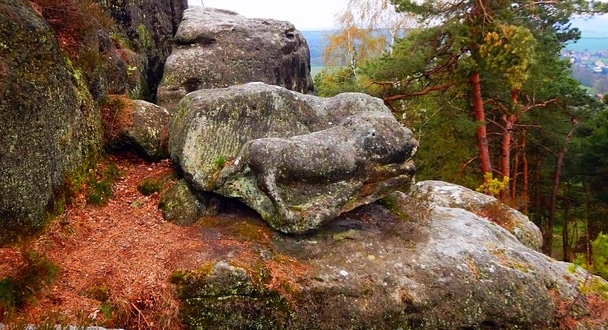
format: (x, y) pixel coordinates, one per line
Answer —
(297, 159)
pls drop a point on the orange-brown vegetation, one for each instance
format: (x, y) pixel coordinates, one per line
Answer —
(588, 310)
(115, 261)
(74, 21)
(116, 115)
(498, 213)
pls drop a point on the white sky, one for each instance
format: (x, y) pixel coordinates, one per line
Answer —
(305, 15)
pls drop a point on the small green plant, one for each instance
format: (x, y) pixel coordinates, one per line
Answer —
(148, 186)
(18, 291)
(220, 162)
(99, 292)
(100, 182)
(493, 186)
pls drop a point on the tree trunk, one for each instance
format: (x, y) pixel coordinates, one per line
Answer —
(566, 232)
(556, 178)
(524, 172)
(507, 136)
(514, 178)
(480, 118)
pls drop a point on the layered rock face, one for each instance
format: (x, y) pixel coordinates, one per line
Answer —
(298, 160)
(48, 122)
(218, 48)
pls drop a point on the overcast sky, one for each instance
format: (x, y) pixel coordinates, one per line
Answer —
(305, 15)
(310, 14)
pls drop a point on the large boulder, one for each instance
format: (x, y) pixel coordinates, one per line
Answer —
(49, 125)
(415, 266)
(146, 27)
(298, 160)
(451, 195)
(218, 48)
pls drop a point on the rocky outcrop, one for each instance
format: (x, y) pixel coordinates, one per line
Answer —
(297, 159)
(147, 28)
(218, 48)
(451, 195)
(413, 265)
(49, 125)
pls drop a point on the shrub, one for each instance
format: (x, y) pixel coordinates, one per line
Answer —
(493, 186)
(597, 263)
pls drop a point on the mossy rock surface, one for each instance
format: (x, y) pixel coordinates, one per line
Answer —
(49, 125)
(298, 160)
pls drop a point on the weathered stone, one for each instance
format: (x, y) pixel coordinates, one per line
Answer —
(123, 70)
(49, 125)
(148, 27)
(183, 206)
(371, 269)
(297, 159)
(219, 48)
(148, 134)
(450, 195)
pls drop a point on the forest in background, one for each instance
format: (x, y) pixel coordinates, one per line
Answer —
(489, 92)
(591, 48)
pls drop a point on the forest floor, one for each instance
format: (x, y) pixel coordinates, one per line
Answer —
(112, 264)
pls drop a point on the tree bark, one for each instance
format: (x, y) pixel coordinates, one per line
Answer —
(525, 177)
(480, 118)
(566, 232)
(548, 242)
(507, 136)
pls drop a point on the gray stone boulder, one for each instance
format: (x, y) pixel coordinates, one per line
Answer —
(49, 126)
(298, 160)
(451, 195)
(148, 131)
(218, 48)
(413, 266)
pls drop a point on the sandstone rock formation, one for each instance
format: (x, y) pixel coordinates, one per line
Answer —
(48, 123)
(297, 159)
(415, 266)
(451, 195)
(218, 48)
